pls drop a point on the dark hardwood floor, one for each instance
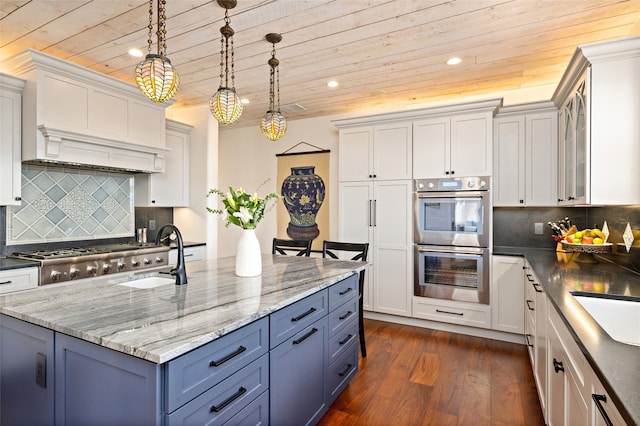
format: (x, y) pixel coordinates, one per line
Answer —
(418, 376)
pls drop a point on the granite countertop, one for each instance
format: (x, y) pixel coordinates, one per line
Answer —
(162, 323)
(616, 364)
(7, 263)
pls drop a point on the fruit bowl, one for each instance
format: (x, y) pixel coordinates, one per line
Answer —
(587, 248)
(586, 251)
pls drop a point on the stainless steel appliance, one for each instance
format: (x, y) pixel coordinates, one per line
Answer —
(452, 211)
(452, 230)
(60, 265)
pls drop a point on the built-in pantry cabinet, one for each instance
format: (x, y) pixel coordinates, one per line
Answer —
(171, 188)
(599, 128)
(10, 139)
(525, 156)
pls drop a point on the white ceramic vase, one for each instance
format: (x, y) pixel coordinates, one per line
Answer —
(248, 255)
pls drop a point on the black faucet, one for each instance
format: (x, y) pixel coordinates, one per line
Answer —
(179, 271)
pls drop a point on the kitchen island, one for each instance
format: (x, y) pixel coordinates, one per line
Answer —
(616, 364)
(154, 338)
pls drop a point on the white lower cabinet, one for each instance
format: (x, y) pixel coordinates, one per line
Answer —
(569, 389)
(452, 311)
(379, 213)
(536, 334)
(18, 279)
(191, 254)
(507, 294)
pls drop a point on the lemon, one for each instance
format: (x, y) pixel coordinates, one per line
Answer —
(598, 240)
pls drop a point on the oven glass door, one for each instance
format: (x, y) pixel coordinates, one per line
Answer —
(453, 275)
(460, 220)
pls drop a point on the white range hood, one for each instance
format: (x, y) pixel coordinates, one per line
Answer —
(75, 116)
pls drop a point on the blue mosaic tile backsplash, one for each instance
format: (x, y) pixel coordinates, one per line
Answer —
(64, 204)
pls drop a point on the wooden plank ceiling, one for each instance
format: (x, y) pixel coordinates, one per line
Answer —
(384, 53)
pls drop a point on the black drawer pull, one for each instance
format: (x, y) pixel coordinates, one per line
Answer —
(305, 337)
(346, 339)
(529, 278)
(450, 313)
(345, 316)
(536, 287)
(6, 282)
(599, 399)
(345, 291)
(228, 357)
(346, 370)
(557, 365)
(529, 303)
(188, 255)
(299, 317)
(216, 409)
(526, 338)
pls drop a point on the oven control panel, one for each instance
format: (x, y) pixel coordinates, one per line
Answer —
(475, 183)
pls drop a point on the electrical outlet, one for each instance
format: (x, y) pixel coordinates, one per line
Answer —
(152, 224)
(537, 228)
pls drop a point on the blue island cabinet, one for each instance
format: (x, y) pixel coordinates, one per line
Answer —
(283, 369)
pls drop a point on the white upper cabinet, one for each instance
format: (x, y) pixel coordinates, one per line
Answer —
(171, 188)
(454, 142)
(599, 128)
(10, 140)
(525, 156)
(380, 152)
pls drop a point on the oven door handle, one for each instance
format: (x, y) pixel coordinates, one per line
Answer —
(456, 252)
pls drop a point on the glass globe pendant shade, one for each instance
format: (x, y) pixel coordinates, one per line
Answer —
(156, 78)
(225, 105)
(273, 125)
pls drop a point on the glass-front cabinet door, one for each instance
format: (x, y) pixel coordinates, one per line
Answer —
(573, 164)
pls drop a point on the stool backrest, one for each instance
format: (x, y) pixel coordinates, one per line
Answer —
(332, 249)
(291, 247)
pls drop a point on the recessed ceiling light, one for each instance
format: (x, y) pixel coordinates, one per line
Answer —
(454, 61)
(333, 83)
(244, 101)
(135, 53)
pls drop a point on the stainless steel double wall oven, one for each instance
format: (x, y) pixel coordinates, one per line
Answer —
(452, 235)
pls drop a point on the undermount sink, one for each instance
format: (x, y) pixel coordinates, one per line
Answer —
(619, 318)
(144, 281)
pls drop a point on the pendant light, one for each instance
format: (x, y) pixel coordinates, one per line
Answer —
(273, 124)
(225, 104)
(155, 76)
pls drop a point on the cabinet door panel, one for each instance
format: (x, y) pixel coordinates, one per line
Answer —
(471, 145)
(507, 294)
(298, 377)
(431, 147)
(355, 154)
(508, 162)
(392, 151)
(541, 160)
(393, 248)
(23, 401)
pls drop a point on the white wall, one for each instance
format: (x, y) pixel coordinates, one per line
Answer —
(195, 223)
(247, 159)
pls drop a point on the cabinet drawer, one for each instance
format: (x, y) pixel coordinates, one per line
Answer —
(342, 339)
(193, 373)
(476, 315)
(290, 320)
(256, 413)
(341, 372)
(191, 254)
(341, 316)
(343, 291)
(18, 279)
(227, 398)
